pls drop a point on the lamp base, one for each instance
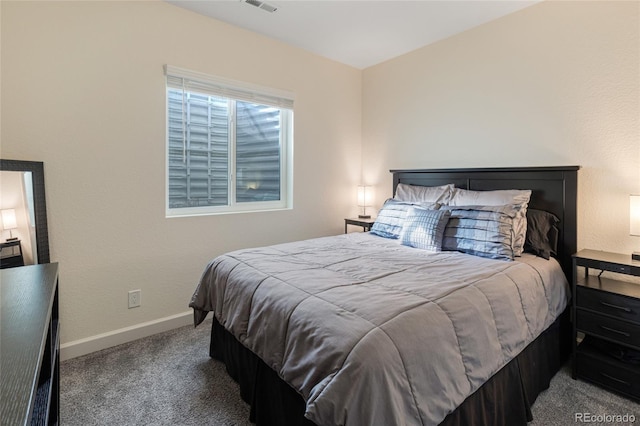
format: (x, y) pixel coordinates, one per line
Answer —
(635, 255)
(368, 216)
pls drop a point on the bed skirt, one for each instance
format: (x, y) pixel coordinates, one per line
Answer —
(505, 399)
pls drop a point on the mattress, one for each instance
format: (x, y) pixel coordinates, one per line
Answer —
(372, 332)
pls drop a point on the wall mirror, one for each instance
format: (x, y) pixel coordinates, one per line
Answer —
(23, 212)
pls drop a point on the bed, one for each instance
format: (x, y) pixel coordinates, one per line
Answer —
(359, 329)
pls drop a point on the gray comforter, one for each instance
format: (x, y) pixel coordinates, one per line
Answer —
(370, 332)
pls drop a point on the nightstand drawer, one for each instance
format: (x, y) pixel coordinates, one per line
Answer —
(608, 372)
(609, 328)
(608, 303)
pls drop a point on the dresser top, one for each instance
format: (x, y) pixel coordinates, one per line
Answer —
(605, 256)
(26, 300)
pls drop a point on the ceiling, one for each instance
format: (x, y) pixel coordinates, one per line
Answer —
(359, 33)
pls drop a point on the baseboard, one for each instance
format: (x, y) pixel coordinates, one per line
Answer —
(117, 337)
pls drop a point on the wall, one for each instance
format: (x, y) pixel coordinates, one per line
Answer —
(554, 84)
(83, 90)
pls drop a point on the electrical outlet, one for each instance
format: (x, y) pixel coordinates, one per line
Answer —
(134, 299)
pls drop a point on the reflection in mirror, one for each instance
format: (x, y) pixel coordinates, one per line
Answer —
(18, 217)
(23, 218)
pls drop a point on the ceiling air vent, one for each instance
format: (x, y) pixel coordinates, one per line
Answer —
(262, 5)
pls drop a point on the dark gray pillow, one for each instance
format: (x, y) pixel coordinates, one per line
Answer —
(542, 233)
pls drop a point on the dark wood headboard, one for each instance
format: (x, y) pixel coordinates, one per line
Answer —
(554, 189)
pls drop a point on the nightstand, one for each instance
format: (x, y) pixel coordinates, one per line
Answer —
(606, 323)
(11, 254)
(356, 221)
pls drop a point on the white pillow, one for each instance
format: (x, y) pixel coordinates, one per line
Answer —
(423, 194)
(500, 197)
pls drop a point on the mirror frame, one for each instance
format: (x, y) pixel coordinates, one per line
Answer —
(39, 202)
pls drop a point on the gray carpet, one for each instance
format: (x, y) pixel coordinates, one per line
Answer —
(169, 379)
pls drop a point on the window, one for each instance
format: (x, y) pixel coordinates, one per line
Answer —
(229, 145)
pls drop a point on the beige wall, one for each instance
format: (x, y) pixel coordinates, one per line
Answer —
(83, 91)
(553, 84)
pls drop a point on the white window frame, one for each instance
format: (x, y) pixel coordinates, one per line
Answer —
(237, 91)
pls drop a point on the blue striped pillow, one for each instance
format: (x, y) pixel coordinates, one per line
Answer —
(391, 217)
(486, 231)
(424, 228)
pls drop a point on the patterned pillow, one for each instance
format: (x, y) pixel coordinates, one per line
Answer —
(424, 194)
(500, 197)
(486, 231)
(391, 216)
(424, 228)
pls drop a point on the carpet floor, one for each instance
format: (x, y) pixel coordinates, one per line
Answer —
(169, 379)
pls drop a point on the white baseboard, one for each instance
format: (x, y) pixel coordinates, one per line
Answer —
(117, 337)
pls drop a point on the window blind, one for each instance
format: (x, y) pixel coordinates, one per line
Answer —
(182, 79)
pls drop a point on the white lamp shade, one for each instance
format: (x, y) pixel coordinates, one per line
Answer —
(9, 219)
(634, 215)
(365, 196)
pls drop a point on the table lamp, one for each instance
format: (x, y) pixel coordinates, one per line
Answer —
(634, 220)
(9, 222)
(365, 196)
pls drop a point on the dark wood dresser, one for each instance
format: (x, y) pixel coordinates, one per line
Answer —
(29, 345)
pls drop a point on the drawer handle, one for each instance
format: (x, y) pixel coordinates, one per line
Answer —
(613, 330)
(615, 379)
(622, 308)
